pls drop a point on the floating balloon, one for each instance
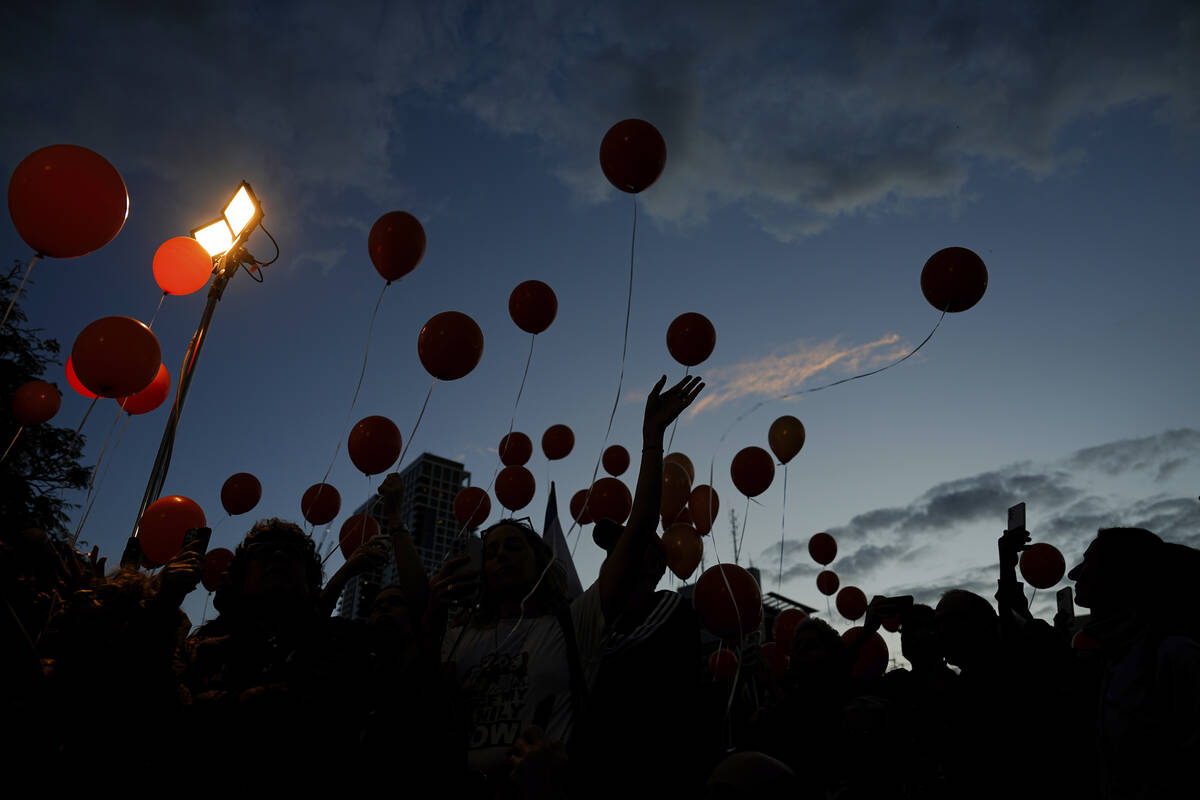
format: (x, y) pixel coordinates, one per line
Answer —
(615, 460)
(683, 549)
(723, 664)
(515, 449)
(785, 627)
(786, 437)
(728, 615)
(450, 345)
(777, 659)
(1042, 565)
(954, 279)
(533, 306)
(579, 508)
(35, 402)
(163, 525)
(872, 658)
(691, 338)
(827, 582)
(851, 602)
(632, 155)
(216, 564)
(396, 244)
(823, 548)
(151, 397)
(684, 517)
(181, 265)
(472, 506)
(240, 493)
(703, 504)
(891, 624)
(515, 487)
(116, 356)
(676, 489)
(75, 383)
(374, 445)
(67, 201)
(356, 531)
(610, 500)
(320, 503)
(752, 471)
(557, 442)
(682, 462)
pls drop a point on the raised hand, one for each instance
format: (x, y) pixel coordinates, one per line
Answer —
(452, 584)
(662, 408)
(180, 575)
(369, 555)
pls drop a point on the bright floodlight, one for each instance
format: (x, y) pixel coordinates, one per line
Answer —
(215, 237)
(242, 209)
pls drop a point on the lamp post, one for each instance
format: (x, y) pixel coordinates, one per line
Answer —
(224, 238)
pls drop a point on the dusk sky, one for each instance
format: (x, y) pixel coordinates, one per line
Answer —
(818, 154)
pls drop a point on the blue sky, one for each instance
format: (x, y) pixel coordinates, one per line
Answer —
(816, 157)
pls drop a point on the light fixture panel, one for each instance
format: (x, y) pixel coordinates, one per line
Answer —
(242, 209)
(216, 237)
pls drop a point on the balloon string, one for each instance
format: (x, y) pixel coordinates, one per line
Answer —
(362, 537)
(671, 441)
(107, 466)
(160, 304)
(204, 614)
(738, 550)
(417, 424)
(96, 471)
(17, 294)
(782, 528)
(10, 444)
(86, 414)
(736, 612)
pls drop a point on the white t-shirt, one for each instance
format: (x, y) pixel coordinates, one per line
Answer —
(516, 673)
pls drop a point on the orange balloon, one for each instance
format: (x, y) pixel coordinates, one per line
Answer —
(450, 345)
(703, 504)
(515, 449)
(676, 489)
(396, 244)
(683, 549)
(533, 306)
(240, 493)
(691, 339)
(723, 664)
(872, 659)
(851, 602)
(75, 383)
(557, 442)
(35, 402)
(610, 500)
(615, 460)
(515, 487)
(728, 615)
(320, 503)
(162, 528)
(116, 356)
(632, 155)
(472, 506)
(785, 627)
(67, 201)
(954, 279)
(374, 445)
(681, 461)
(181, 265)
(216, 564)
(752, 471)
(823, 548)
(1042, 565)
(151, 397)
(827, 582)
(356, 531)
(786, 437)
(579, 508)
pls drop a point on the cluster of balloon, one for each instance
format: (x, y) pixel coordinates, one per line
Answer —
(151, 397)
(67, 201)
(356, 530)
(703, 505)
(723, 664)
(74, 382)
(615, 460)
(632, 155)
(396, 244)
(450, 345)
(752, 471)
(320, 503)
(116, 357)
(164, 524)
(515, 487)
(954, 279)
(579, 508)
(181, 266)
(683, 548)
(728, 600)
(777, 659)
(533, 306)
(785, 627)
(240, 493)
(557, 442)
(691, 339)
(823, 548)
(610, 500)
(1042, 565)
(374, 445)
(786, 438)
(35, 402)
(851, 602)
(515, 449)
(472, 506)
(872, 658)
(827, 582)
(216, 564)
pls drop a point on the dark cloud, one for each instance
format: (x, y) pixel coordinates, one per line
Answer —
(1163, 453)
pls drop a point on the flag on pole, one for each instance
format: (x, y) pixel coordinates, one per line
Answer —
(552, 534)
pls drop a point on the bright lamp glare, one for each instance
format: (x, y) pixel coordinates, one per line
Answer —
(215, 237)
(241, 210)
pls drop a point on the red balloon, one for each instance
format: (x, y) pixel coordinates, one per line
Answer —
(723, 664)
(728, 616)
(216, 564)
(632, 155)
(851, 602)
(320, 503)
(533, 306)
(35, 402)
(181, 265)
(681, 461)
(579, 508)
(162, 527)
(777, 659)
(75, 383)
(703, 504)
(610, 500)
(684, 517)
(240, 493)
(683, 549)
(396, 244)
(116, 356)
(752, 471)
(1042, 565)
(557, 442)
(374, 445)
(823, 548)
(151, 397)
(472, 506)
(786, 437)
(691, 339)
(954, 279)
(676, 490)
(872, 659)
(356, 531)
(891, 624)
(450, 345)
(67, 201)
(615, 460)
(515, 449)
(515, 487)
(785, 627)
(827, 582)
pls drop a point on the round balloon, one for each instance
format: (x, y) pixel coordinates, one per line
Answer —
(682, 462)
(396, 244)
(515, 487)
(557, 442)
(723, 664)
(703, 504)
(610, 500)
(472, 506)
(872, 658)
(181, 265)
(374, 445)
(954, 279)
(356, 531)
(786, 437)
(683, 549)
(632, 155)
(75, 383)
(67, 201)
(691, 339)
(35, 402)
(684, 517)
(515, 449)
(116, 356)
(615, 460)
(785, 627)
(164, 524)
(240, 493)
(579, 508)
(827, 582)
(823, 548)
(851, 602)
(450, 345)
(216, 564)
(533, 306)
(676, 490)
(320, 503)
(1042, 565)
(752, 471)
(728, 614)
(151, 397)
